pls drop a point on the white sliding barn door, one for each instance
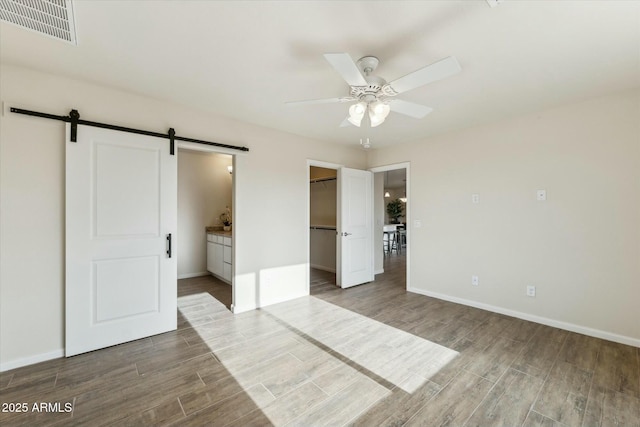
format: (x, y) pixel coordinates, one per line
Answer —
(355, 228)
(121, 205)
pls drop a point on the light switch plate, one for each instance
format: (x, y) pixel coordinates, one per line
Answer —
(541, 195)
(417, 223)
(475, 198)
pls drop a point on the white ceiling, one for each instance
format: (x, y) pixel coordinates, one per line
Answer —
(245, 59)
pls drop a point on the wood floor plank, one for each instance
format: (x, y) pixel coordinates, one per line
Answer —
(5, 379)
(195, 400)
(509, 402)
(285, 408)
(100, 408)
(492, 328)
(495, 359)
(33, 374)
(158, 359)
(249, 353)
(95, 372)
(106, 406)
(400, 405)
(337, 379)
(278, 375)
(520, 330)
(230, 409)
(538, 356)
(162, 415)
(581, 351)
(443, 333)
(610, 408)
(618, 368)
(213, 332)
(447, 408)
(466, 351)
(342, 407)
(564, 395)
(535, 419)
(28, 391)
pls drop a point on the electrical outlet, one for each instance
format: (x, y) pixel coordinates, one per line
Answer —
(531, 291)
(475, 281)
(475, 198)
(417, 223)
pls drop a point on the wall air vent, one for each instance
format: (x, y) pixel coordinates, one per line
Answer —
(53, 18)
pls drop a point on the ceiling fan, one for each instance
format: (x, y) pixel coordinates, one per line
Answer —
(373, 95)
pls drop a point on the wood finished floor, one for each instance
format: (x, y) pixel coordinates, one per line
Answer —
(367, 356)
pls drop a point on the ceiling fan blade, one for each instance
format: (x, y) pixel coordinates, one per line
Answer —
(409, 108)
(348, 69)
(321, 101)
(438, 70)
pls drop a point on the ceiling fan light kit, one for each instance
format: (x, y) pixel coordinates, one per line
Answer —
(378, 112)
(373, 95)
(356, 113)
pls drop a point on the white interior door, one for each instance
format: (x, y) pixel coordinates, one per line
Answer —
(121, 207)
(355, 227)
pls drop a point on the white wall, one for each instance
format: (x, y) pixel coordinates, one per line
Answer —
(379, 219)
(204, 191)
(580, 248)
(322, 211)
(322, 202)
(271, 184)
(322, 249)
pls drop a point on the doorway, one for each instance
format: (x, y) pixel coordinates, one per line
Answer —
(323, 216)
(392, 236)
(205, 194)
(324, 219)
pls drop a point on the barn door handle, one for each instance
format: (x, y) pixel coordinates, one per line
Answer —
(169, 245)
(345, 234)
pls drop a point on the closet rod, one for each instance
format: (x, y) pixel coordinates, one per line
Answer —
(74, 119)
(313, 181)
(322, 227)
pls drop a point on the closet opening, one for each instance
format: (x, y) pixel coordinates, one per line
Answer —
(323, 194)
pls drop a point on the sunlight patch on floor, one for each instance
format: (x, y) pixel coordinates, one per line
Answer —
(393, 354)
(309, 344)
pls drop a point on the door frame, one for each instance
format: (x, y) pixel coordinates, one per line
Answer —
(221, 150)
(327, 165)
(407, 167)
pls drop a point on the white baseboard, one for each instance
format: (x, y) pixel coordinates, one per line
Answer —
(25, 361)
(235, 309)
(190, 275)
(597, 333)
(379, 271)
(273, 301)
(323, 268)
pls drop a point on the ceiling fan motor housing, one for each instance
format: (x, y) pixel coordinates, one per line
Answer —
(372, 91)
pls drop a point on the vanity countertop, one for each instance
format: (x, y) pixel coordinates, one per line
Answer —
(218, 230)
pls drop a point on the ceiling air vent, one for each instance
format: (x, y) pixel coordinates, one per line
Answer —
(53, 18)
